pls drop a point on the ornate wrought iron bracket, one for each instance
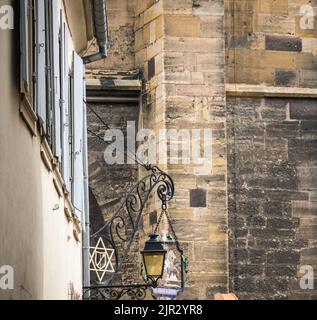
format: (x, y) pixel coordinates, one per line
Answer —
(133, 292)
(120, 231)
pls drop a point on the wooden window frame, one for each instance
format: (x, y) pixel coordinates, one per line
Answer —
(27, 57)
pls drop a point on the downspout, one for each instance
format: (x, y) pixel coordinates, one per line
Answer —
(101, 31)
(86, 231)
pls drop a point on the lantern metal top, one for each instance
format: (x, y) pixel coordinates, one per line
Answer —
(153, 244)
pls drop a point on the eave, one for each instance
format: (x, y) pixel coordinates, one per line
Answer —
(79, 15)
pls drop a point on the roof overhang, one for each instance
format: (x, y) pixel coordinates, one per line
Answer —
(79, 16)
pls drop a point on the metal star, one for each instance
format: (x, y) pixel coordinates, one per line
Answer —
(100, 259)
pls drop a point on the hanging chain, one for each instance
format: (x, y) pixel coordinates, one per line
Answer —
(159, 222)
(171, 226)
(165, 213)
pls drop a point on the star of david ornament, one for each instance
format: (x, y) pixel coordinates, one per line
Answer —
(100, 259)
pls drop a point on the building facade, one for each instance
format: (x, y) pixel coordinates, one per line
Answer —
(246, 70)
(42, 185)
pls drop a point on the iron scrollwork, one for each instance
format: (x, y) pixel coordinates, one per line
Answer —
(137, 292)
(120, 230)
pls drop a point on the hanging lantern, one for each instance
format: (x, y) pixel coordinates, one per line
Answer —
(154, 258)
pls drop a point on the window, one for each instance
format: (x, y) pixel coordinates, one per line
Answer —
(58, 97)
(27, 34)
(41, 29)
(55, 74)
(53, 84)
(65, 104)
(40, 63)
(26, 40)
(78, 133)
(47, 71)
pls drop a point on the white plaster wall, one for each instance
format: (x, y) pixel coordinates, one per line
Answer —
(35, 240)
(62, 253)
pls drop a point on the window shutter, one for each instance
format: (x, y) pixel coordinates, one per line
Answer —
(41, 61)
(24, 39)
(78, 134)
(85, 162)
(56, 83)
(65, 120)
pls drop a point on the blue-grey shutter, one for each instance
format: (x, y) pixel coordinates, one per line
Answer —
(56, 83)
(41, 61)
(24, 39)
(78, 134)
(65, 120)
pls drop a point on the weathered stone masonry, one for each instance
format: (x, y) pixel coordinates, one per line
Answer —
(180, 50)
(247, 70)
(109, 184)
(271, 148)
(272, 165)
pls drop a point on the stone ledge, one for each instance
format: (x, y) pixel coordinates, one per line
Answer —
(46, 154)
(28, 115)
(261, 91)
(113, 84)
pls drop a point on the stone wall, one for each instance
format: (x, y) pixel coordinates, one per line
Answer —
(186, 52)
(195, 99)
(149, 32)
(109, 184)
(121, 55)
(271, 148)
(180, 51)
(272, 208)
(268, 42)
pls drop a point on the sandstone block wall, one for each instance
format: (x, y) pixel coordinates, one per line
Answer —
(261, 186)
(269, 42)
(272, 208)
(121, 53)
(109, 184)
(271, 146)
(195, 99)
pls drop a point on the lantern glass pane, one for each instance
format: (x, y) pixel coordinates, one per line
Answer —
(154, 263)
